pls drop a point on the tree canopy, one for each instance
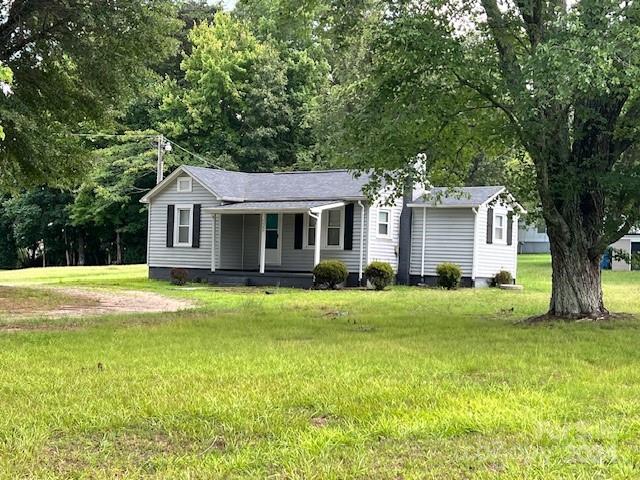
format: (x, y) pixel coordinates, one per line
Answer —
(557, 82)
(74, 64)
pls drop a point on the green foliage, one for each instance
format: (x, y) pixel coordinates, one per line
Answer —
(244, 99)
(379, 274)
(329, 274)
(179, 276)
(449, 275)
(75, 64)
(108, 200)
(620, 255)
(503, 277)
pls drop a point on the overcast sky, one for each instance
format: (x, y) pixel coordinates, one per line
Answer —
(227, 4)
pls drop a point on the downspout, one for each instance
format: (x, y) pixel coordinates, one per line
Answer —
(424, 241)
(474, 258)
(361, 240)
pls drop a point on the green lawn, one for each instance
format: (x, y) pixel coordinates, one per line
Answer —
(402, 384)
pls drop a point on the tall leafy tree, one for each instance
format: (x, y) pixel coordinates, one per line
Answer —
(556, 80)
(237, 104)
(74, 63)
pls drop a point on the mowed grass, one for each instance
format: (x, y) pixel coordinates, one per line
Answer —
(407, 383)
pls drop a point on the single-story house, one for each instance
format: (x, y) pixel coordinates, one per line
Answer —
(533, 238)
(272, 228)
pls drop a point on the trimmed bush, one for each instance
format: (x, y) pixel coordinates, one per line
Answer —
(179, 276)
(502, 278)
(329, 274)
(449, 275)
(379, 274)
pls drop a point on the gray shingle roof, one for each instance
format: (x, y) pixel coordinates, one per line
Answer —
(287, 189)
(458, 197)
(272, 206)
(314, 185)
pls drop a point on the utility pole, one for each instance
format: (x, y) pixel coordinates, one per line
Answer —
(160, 166)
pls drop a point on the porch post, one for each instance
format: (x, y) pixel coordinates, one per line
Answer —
(263, 240)
(316, 247)
(214, 217)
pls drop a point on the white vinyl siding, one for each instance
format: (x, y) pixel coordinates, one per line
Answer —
(384, 249)
(231, 243)
(491, 258)
(301, 260)
(159, 254)
(449, 238)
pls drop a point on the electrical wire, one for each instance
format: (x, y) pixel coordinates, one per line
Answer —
(206, 161)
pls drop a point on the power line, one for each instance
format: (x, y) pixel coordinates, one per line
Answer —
(199, 157)
(113, 135)
(206, 161)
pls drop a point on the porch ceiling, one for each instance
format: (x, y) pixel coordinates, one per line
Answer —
(284, 206)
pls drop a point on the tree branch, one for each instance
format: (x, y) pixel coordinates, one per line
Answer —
(487, 95)
(504, 43)
(605, 240)
(531, 13)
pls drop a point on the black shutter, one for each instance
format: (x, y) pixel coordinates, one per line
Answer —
(297, 231)
(510, 229)
(348, 226)
(171, 209)
(195, 241)
(490, 225)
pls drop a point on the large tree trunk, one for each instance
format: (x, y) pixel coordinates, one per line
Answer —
(576, 290)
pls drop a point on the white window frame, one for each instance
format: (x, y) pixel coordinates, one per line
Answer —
(187, 189)
(305, 232)
(389, 223)
(325, 229)
(176, 226)
(503, 240)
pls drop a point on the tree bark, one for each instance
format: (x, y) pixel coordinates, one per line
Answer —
(576, 290)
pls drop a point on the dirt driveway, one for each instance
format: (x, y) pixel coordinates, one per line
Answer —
(121, 301)
(55, 302)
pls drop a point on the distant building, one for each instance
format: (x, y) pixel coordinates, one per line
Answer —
(533, 239)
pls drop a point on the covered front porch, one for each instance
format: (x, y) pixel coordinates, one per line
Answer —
(278, 243)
